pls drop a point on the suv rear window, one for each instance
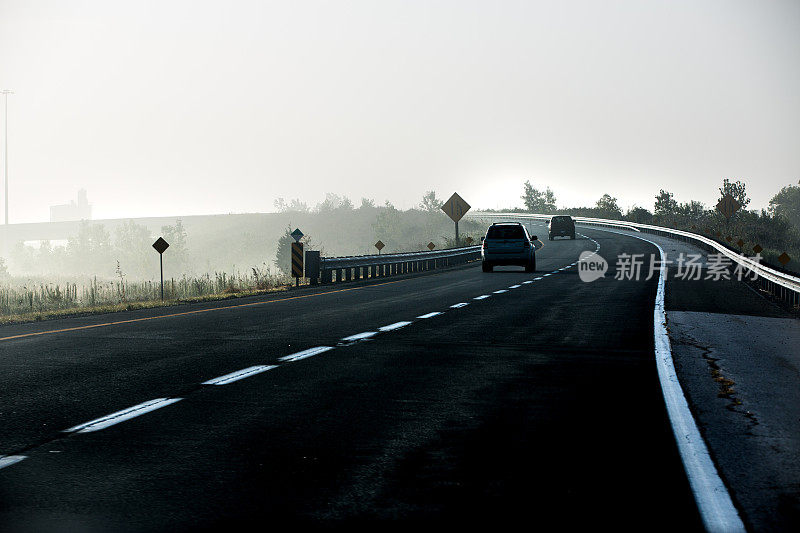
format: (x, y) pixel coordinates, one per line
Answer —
(561, 219)
(505, 232)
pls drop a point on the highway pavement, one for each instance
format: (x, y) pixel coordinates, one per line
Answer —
(456, 396)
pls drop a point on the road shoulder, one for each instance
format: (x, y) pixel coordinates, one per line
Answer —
(741, 375)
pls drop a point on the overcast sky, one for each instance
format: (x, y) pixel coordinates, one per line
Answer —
(187, 107)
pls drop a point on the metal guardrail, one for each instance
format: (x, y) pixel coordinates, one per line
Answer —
(583, 220)
(783, 286)
(383, 265)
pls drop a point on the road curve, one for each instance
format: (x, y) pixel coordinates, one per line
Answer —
(537, 400)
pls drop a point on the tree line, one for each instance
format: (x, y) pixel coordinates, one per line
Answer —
(776, 229)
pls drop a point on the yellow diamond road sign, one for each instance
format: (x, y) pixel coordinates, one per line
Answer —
(455, 207)
(379, 245)
(431, 246)
(160, 245)
(728, 206)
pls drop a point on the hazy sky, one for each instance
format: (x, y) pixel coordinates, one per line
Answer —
(162, 108)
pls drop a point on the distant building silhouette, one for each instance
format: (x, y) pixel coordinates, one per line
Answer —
(72, 211)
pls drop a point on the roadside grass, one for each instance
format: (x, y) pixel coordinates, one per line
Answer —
(31, 301)
(71, 312)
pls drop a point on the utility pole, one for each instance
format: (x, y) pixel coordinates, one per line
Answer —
(5, 93)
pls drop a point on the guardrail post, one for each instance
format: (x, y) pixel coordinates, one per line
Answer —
(326, 275)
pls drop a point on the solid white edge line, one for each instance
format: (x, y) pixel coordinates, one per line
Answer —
(239, 374)
(430, 315)
(712, 498)
(304, 354)
(8, 460)
(121, 416)
(396, 325)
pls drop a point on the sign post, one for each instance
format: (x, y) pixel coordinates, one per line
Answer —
(455, 208)
(297, 256)
(161, 245)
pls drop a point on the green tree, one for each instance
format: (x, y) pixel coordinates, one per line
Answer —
(367, 203)
(693, 211)
(387, 224)
(640, 215)
(537, 201)
(133, 249)
(332, 202)
(786, 204)
(736, 189)
(295, 206)
(666, 205)
(178, 250)
(430, 202)
(283, 254)
(608, 207)
(90, 250)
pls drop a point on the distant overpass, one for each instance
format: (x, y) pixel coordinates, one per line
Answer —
(12, 234)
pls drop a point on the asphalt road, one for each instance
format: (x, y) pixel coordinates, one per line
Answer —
(539, 404)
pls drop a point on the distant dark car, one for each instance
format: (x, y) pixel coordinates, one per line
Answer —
(561, 226)
(508, 244)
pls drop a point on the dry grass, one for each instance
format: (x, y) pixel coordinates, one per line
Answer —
(31, 301)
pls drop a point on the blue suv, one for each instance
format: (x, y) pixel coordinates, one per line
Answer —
(508, 243)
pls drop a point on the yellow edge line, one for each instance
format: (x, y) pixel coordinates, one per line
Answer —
(252, 304)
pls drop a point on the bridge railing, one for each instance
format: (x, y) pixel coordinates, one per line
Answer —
(781, 285)
(373, 266)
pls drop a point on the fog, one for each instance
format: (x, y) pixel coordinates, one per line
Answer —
(186, 108)
(176, 114)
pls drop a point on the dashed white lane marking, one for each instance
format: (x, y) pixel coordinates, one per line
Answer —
(537, 279)
(305, 354)
(550, 274)
(121, 416)
(430, 315)
(459, 305)
(8, 460)
(515, 286)
(396, 325)
(239, 374)
(529, 281)
(360, 336)
(482, 297)
(501, 291)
